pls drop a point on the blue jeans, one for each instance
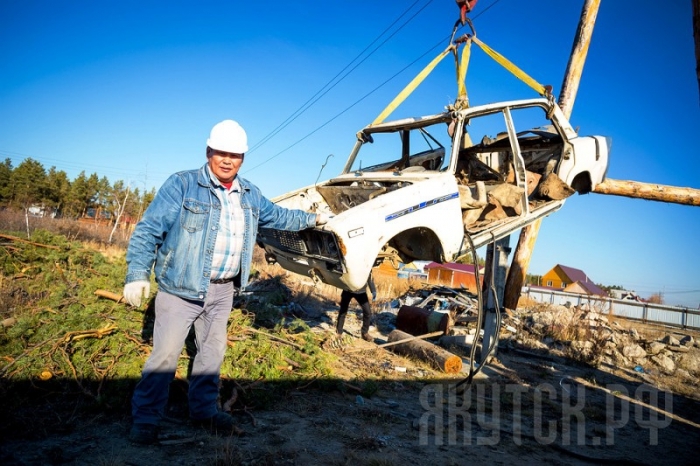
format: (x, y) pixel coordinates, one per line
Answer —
(174, 318)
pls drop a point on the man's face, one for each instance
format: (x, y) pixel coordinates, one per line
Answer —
(224, 165)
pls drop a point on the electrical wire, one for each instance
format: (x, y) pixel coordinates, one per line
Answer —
(331, 84)
(342, 112)
(324, 90)
(295, 114)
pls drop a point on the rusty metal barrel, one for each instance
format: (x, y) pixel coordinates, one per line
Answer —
(420, 321)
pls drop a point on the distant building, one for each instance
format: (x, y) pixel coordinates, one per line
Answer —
(454, 275)
(40, 210)
(569, 279)
(411, 271)
(36, 210)
(625, 295)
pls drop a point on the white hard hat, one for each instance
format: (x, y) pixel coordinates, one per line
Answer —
(228, 136)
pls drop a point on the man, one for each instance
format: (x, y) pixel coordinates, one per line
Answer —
(363, 300)
(199, 232)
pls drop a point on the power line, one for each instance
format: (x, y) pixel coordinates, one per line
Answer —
(331, 84)
(343, 111)
(361, 98)
(339, 77)
(297, 113)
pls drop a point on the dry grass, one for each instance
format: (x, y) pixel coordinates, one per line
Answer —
(58, 322)
(303, 288)
(651, 331)
(525, 302)
(73, 230)
(681, 386)
(532, 305)
(585, 339)
(389, 287)
(573, 327)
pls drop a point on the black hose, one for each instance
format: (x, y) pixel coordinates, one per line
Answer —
(492, 286)
(480, 314)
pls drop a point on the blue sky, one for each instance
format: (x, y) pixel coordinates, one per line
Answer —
(130, 90)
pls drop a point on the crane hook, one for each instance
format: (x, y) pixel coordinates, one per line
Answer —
(465, 6)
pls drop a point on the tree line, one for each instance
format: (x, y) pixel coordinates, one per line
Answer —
(30, 187)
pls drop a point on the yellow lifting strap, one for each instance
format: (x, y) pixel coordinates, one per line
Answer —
(517, 72)
(461, 66)
(411, 87)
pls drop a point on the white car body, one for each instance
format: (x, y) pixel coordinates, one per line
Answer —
(436, 201)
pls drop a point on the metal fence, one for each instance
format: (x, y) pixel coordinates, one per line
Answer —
(645, 312)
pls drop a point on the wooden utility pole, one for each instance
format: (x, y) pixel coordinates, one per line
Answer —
(569, 88)
(659, 192)
(633, 189)
(649, 191)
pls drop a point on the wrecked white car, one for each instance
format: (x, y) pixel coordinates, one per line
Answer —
(422, 188)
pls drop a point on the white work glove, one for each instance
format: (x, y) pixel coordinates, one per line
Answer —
(134, 292)
(321, 219)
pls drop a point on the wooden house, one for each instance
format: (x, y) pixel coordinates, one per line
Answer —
(454, 275)
(571, 280)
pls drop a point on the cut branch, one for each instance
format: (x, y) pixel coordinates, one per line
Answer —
(411, 338)
(14, 238)
(438, 357)
(109, 295)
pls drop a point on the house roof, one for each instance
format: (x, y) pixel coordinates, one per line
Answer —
(466, 268)
(592, 288)
(578, 276)
(574, 275)
(541, 287)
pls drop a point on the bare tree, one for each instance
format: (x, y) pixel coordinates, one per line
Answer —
(121, 205)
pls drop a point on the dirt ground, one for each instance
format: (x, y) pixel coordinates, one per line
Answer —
(385, 409)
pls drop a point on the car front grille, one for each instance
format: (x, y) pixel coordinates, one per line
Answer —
(310, 243)
(289, 240)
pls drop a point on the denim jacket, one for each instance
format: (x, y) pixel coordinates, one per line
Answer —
(178, 232)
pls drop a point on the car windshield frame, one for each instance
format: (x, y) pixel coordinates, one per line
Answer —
(367, 135)
(366, 138)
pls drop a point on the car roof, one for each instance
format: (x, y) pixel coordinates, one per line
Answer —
(418, 122)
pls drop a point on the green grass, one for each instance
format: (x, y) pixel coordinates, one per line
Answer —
(85, 351)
